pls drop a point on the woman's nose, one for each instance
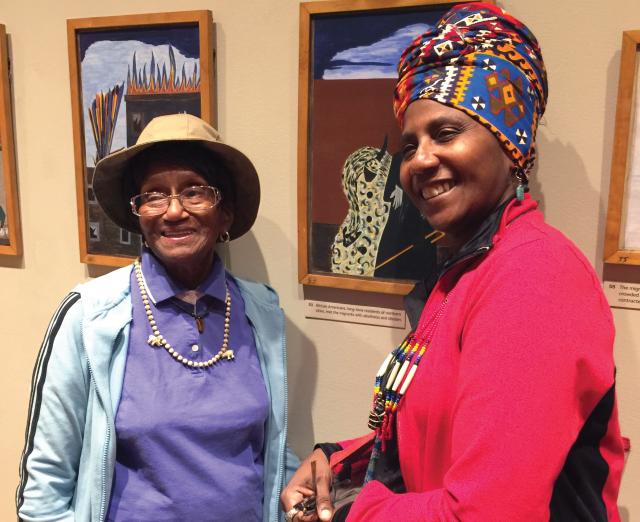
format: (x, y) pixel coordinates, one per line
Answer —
(425, 158)
(175, 210)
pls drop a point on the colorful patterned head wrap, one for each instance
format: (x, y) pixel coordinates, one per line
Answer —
(484, 62)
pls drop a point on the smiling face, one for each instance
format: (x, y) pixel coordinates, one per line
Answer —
(453, 169)
(184, 242)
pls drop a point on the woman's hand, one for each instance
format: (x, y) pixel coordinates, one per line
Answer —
(301, 486)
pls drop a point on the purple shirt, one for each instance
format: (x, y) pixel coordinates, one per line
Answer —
(189, 441)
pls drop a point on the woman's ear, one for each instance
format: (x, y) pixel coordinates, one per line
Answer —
(225, 220)
(227, 216)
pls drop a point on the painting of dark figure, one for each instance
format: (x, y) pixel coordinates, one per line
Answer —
(360, 221)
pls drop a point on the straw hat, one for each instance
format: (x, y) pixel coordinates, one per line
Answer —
(109, 174)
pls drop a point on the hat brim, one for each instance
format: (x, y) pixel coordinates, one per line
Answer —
(109, 184)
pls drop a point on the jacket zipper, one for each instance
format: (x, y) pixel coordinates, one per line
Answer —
(283, 444)
(103, 492)
(103, 500)
(105, 456)
(283, 449)
(468, 256)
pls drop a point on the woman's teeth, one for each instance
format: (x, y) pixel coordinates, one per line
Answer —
(180, 233)
(436, 189)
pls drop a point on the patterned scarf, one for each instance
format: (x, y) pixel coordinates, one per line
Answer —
(484, 62)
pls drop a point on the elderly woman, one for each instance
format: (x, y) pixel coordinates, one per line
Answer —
(160, 390)
(500, 404)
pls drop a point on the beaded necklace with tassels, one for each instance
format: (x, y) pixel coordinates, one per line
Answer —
(393, 379)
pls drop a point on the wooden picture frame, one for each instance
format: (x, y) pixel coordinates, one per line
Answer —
(10, 233)
(622, 236)
(342, 76)
(125, 70)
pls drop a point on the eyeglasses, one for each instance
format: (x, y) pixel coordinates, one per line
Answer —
(193, 199)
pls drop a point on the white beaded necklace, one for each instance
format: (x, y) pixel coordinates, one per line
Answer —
(156, 339)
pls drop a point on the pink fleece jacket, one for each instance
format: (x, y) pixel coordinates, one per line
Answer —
(501, 421)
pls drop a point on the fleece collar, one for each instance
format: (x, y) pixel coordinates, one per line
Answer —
(487, 234)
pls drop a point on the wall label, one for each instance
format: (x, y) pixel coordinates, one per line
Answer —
(622, 295)
(359, 314)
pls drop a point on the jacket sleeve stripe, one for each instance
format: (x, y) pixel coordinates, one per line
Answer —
(37, 383)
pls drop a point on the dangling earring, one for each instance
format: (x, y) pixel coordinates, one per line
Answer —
(523, 183)
(224, 237)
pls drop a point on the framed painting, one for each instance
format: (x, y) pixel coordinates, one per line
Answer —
(622, 237)
(10, 236)
(356, 228)
(125, 71)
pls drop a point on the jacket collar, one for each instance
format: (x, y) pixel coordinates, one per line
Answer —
(487, 234)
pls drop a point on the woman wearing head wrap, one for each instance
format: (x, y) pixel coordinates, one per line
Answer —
(160, 390)
(500, 405)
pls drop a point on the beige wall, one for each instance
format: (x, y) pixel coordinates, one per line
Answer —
(331, 364)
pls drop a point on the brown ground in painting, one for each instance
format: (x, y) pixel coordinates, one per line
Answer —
(346, 115)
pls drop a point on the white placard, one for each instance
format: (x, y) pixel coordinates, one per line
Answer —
(355, 314)
(623, 295)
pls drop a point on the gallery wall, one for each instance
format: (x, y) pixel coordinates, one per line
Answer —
(331, 364)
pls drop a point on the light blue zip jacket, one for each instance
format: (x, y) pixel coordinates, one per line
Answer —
(68, 462)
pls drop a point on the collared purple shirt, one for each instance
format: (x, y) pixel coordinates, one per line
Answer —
(189, 441)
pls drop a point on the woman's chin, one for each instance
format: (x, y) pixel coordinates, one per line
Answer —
(184, 253)
(437, 219)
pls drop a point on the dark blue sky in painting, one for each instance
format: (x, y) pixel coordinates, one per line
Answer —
(336, 32)
(181, 37)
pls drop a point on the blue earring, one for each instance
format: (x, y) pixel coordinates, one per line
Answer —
(523, 183)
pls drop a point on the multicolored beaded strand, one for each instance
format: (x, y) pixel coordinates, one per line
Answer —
(393, 379)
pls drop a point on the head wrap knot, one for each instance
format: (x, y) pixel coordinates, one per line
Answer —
(484, 62)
